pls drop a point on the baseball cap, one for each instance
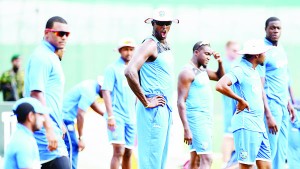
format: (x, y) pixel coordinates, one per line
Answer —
(254, 47)
(14, 57)
(126, 42)
(161, 14)
(28, 104)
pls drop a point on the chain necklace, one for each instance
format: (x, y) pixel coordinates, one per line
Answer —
(201, 69)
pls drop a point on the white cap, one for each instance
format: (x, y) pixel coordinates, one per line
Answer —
(161, 14)
(35, 106)
(254, 47)
(126, 42)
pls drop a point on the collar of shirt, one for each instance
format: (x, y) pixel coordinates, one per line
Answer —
(49, 45)
(247, 63)
(25, 129)
(121, 60)
(267, 42)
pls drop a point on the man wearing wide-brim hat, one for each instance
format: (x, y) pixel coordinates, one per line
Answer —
(249, 132)
(150, 76)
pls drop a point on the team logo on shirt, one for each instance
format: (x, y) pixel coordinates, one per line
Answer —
(243, 154)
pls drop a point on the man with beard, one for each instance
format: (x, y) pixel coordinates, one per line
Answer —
(120, 106)
(22, 150)
(278, 108)
(249, 132)
(195, 104)
(12, 81)
(44, 80)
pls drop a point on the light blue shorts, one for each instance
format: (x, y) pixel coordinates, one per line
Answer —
(201, 128)
(251, 146)
(124, 133)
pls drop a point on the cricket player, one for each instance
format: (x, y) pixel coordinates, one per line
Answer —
(249, 132)
(76, 103)
(195, 103)
(278, 109)
(120, 106)
(150, 76)
(44, 80)
(22, 150)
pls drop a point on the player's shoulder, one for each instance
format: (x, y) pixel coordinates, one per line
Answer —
(186, 73)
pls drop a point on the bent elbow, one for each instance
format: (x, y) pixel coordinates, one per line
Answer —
(219, 87)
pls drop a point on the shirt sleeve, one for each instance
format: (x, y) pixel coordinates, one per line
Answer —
(109, 79)
(38, 73)
(88, 96)
(236, 75)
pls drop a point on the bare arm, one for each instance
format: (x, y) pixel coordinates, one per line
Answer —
(97, 108)
(266, 106)
(80, 122)
(52, 140)
(269, 117)
(220, 72)
(223, 87)
(185, 79)
(146, 51)
(107, 102)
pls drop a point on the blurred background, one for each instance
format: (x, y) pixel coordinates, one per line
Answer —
(97, 26)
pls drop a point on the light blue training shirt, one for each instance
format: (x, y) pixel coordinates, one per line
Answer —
(44, 73)
(80, 96)
(123, 99)
(246, 83)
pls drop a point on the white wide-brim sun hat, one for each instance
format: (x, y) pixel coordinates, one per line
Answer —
(254, 47)
(162, 14)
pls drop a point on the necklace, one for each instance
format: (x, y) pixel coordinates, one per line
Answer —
(201, 69)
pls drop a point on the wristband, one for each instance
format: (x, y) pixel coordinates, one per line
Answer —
(80, 138)
(110, 117)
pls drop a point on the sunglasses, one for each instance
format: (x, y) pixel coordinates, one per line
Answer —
(203, 43)
(59, 33)
(162, 23)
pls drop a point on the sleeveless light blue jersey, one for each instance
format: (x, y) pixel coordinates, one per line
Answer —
(157, 76)
(200, 96)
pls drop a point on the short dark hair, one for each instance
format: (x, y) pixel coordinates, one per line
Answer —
(51, 21)
(199, 45)
(22, 111)
(271, 19)
(248, 56)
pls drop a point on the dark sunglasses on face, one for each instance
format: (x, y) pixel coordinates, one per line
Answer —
(162, 23)
(59, 33)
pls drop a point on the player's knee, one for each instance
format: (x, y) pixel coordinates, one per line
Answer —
(127, 154)
(118, 151)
